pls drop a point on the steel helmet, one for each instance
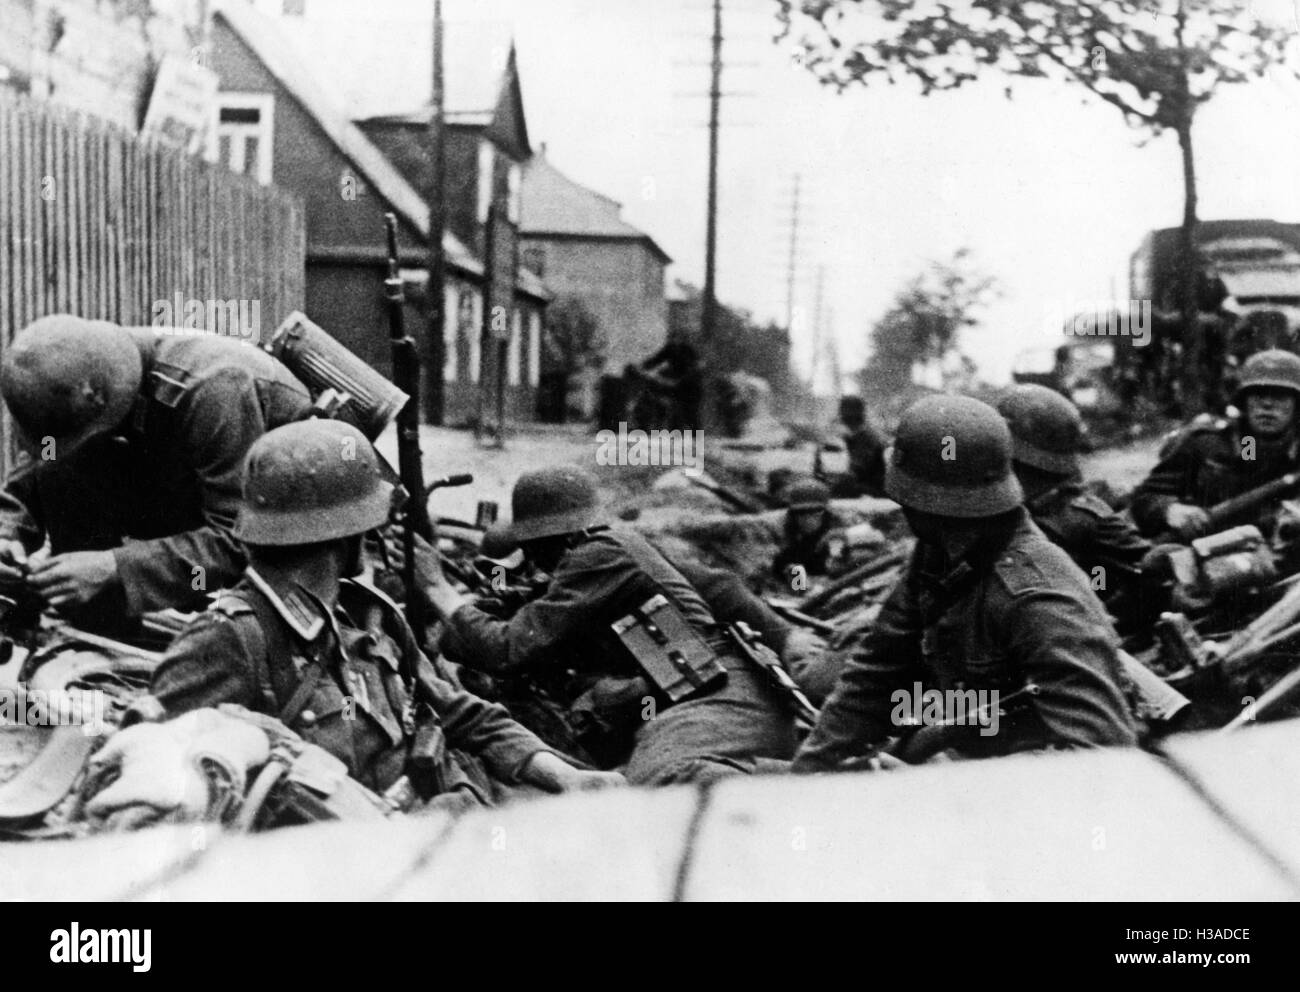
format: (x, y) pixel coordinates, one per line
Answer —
(1272, 369)
(952, 457)
(70, 379)
(1046, 429)
(547, 502)
(309, 482)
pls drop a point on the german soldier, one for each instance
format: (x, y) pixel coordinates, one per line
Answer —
(330, 657)
(986, 603)
(866, 452)
(1046, 438)
(619, 700)
(808, 527)
(137, 441)
(1216, 459)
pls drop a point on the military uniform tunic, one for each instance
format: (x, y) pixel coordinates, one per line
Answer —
(164, 493)
(1013, 612)
(1103, 543)
(370, 692)
(567, 631)
(1205, 465)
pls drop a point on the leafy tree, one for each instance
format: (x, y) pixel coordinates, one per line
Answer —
(1156, 61)
(574, 340)
(923, 325)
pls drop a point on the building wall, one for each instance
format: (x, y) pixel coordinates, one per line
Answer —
(621, 282)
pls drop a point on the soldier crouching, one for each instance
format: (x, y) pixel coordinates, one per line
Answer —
(987, 604)
(727, 720)
(330, 658)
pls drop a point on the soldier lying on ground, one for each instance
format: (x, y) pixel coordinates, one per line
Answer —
(1046, 439)
(136, 439)
(331, 658)
(1212, 460)
(599, 576)
(986, 605)
(816, 541)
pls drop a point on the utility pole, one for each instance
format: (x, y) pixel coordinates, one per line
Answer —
(437, 294)
(817, 330)
(833, 355)
(790, 266)
(710, 310)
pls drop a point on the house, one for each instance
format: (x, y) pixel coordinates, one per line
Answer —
(296, 108)
(576, 240)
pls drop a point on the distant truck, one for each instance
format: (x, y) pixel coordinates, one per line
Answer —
(1248, 287)
(1258, 261)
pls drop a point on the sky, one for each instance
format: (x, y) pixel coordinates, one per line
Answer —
(1050, 190)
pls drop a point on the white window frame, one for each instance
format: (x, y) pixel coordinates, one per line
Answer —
(487, 159)
(264, 103)
(534, 348)
(450, 327)
(515, 185)
(476, 337)
(514, 351)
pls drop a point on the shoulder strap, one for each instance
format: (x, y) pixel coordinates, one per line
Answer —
(264, 637)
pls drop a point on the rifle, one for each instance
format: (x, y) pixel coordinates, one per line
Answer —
(881, 563)
(751, 648)
(414, 515)
(1220, 513)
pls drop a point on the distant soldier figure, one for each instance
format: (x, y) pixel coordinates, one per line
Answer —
(1214, 459)
(987, 604)
(1046, 439)
(135, 440)
(675, 373)
(332, 659)
(808, 527)
(866, 451)
(612, 680)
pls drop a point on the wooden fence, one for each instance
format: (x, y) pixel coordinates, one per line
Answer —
(94, 221)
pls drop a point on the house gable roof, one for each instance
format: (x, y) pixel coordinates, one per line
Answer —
(381, 66)
(553, 204)
(269, 45)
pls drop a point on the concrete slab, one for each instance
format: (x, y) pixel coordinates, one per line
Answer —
(325, 862)
(98, 868)
(1083, 826)
(1253, 776)
(612, 846)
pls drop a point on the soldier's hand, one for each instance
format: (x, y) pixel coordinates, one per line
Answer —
(428, 562)
(552, 773)
(74, 578)
(1187, 521)
(13, 561)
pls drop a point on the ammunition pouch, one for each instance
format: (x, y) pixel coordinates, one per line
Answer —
(679, 663)
(426, 764)
(1220, 563)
